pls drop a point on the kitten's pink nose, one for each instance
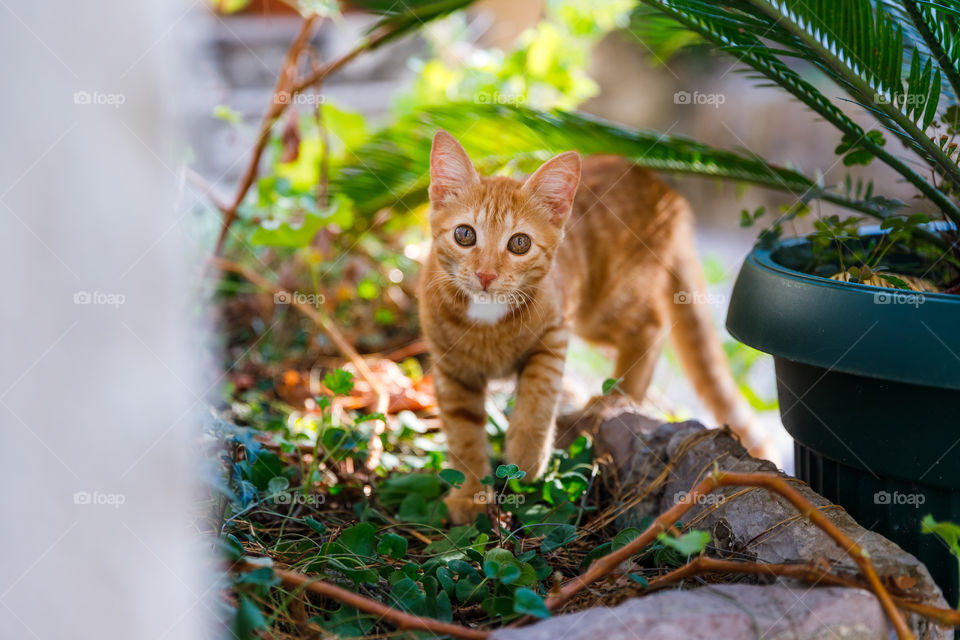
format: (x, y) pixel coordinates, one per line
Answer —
(486, 279)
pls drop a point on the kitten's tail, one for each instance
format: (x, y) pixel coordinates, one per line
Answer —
(695, 339)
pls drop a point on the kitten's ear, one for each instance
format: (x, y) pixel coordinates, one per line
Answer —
(555, 184)
(450, 167)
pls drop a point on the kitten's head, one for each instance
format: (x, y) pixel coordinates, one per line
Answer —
(495, 237)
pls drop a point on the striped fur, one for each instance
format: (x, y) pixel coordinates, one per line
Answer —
(611, 259)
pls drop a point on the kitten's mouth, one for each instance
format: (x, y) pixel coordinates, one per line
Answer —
(501, 296)
(494, 297)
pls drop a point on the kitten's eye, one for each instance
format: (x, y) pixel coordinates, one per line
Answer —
(465, 236)
(519, 244)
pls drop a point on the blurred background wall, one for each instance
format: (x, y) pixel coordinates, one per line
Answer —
(98, 399)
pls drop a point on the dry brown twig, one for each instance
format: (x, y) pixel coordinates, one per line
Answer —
(399, 618)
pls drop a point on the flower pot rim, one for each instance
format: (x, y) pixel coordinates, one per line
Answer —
(876, 332)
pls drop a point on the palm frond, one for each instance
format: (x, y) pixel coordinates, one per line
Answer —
(398, 18)
(663, 36)
(393, 167)
(860, 46)
(743, 34)
(937, 26)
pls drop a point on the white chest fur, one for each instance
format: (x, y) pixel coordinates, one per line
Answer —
(487, 312)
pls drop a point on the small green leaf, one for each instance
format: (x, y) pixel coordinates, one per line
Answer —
(558, 537)
(225, 113)
(894, 280)
(248, 619)
(469, 591)
(636, 577)
(444, 610)
(368, 417)
(408, 595)
(339, 382)
(445, 578)
(623, 538)
(946, 531)
(527, 556)
(392, 545)
(263, 576)
(317, 526)
(498, 606)
(416, 508)
(359, 539)
(457, 541)
(506, 573)
(951, 118)
(690, 543)
(510, 472)
(348, 622)
(277, 485)
(526, 601)
(453, 477)
(231, 547)
(473, 554)
(400, 486)
(609, 385)
(463, 569)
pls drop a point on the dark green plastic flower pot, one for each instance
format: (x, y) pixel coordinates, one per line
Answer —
(869, 387)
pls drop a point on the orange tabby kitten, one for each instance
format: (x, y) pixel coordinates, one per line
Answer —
(514, 265)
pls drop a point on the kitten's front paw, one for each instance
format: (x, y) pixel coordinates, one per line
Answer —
(464, 506)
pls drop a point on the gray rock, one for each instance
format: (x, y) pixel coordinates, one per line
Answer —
(658, 463)
(727, 612)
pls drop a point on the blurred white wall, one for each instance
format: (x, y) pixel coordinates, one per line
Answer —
(97, 398)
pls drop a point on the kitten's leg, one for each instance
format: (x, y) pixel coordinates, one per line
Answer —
(637, 357)
(530, 435)
(463, 417)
